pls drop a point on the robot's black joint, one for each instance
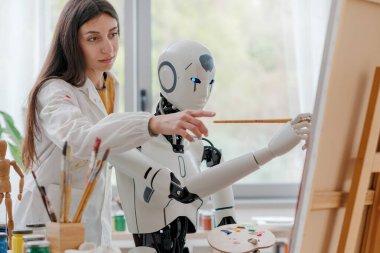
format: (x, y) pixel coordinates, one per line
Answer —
(211, 155)
(181, 194)
(176, 143)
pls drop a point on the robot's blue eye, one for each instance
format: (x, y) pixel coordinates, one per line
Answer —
(212, 81)
(195, 80)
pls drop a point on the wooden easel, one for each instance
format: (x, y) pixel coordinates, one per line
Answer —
(340, 185)
(365, 181)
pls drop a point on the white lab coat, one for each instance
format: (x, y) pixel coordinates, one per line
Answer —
(78, 115)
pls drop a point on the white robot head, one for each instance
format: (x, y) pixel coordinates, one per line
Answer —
(186, 73)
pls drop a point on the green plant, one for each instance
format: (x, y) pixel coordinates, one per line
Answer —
(10, 133)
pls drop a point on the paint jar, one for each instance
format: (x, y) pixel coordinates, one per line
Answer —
(3, 242)
(31, 238)
(206, 221)
(119, 222)
(38, 247)
(38, 229)
(17, 242)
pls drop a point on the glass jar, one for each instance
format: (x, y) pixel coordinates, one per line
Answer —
(38, 247)
(206, 221)
(3, 242)
(39, 229)
(119, 222)
(17, 242)
(31, 238)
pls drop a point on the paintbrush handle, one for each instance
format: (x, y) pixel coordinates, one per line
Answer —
(66, 214)
(83, 202)
(253, 121)
(63, 195)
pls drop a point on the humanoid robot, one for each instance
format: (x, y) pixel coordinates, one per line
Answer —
(161, 203)
(5, 186)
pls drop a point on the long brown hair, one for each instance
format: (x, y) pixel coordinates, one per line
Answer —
(65, 60)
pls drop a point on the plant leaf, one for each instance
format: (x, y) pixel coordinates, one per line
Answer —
(11, 129)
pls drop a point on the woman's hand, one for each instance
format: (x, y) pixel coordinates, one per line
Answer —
(178, 123)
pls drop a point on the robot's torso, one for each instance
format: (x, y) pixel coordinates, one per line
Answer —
(148, 217)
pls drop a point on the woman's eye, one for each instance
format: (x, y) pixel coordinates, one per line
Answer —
(114, 34)
(92, 39)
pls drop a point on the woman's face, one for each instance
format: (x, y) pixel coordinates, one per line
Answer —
(99, 41)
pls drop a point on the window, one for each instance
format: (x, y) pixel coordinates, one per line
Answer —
(255, 46)
(267, 54)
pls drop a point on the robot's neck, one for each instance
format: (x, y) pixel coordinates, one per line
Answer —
(165, 107)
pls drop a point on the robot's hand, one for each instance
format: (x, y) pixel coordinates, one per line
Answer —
(290, 135)
(301, 125)
(286, 138)
(181, 194)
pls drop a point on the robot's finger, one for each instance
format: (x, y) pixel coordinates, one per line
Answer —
(302, 117)
(304, 137)
(302, 131)
(302, 124)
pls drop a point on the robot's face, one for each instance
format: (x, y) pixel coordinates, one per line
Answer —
(186, 73)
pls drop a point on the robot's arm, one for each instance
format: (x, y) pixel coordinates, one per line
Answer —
(19, 172)
(224, 174)
(157, 179)
(161, 180)
(223, 200)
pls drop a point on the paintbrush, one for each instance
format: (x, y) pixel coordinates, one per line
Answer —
(89, 188)
(254, 121)
(63, 182)
(66, 209)
(93, 157)
(45, 200)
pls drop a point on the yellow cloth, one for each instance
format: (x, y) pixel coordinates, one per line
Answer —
(107, 94)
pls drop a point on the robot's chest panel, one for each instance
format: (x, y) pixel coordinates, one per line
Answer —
(182, 164)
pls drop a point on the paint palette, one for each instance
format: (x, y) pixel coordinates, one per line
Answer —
(240, 238)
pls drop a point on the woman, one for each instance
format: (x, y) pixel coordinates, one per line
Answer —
(73, 100)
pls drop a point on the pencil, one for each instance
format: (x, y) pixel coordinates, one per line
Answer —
(253, 121)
